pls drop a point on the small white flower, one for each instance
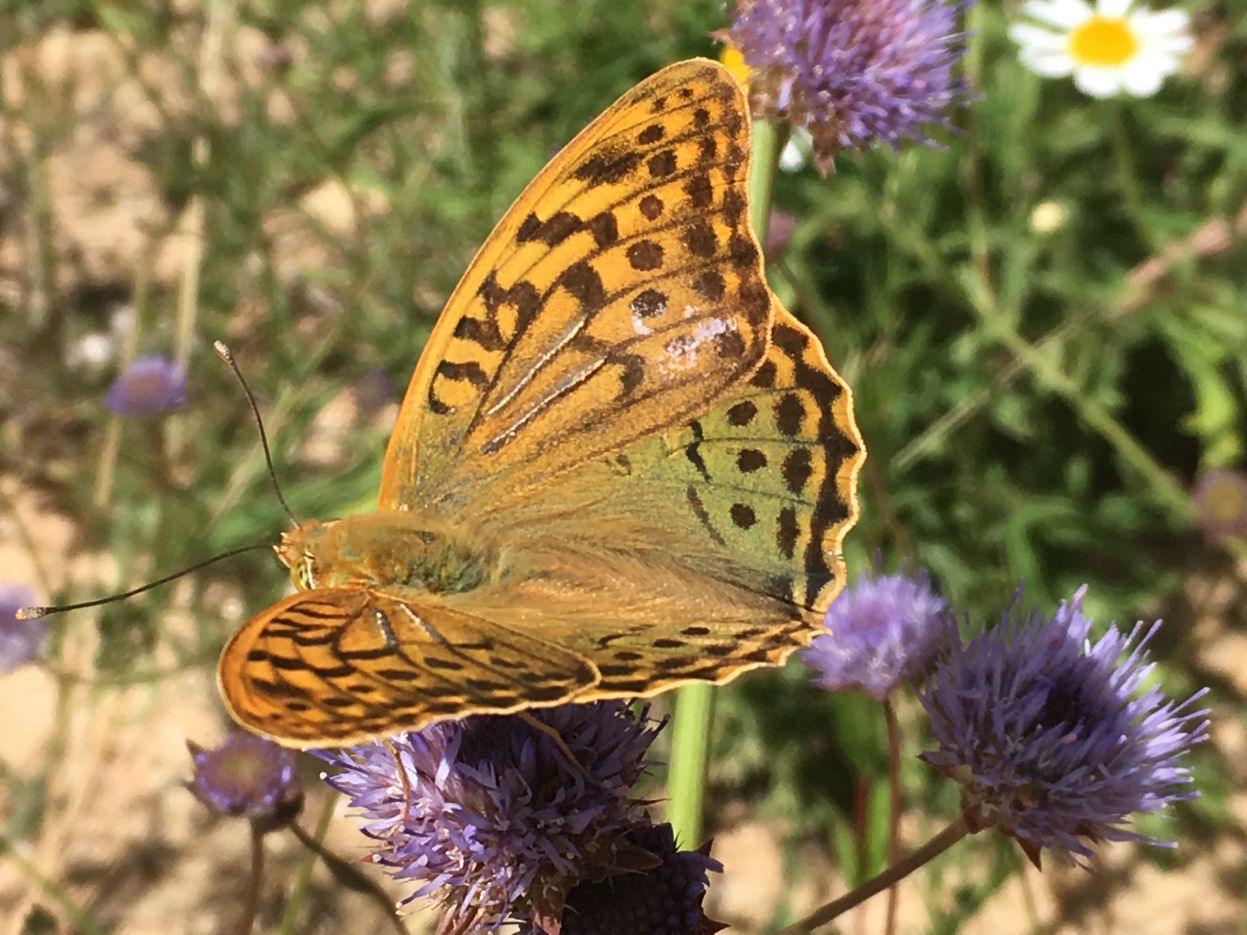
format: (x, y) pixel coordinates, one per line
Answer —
(1108, 48)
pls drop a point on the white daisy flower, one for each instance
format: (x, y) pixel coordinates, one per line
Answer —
(1109, 48)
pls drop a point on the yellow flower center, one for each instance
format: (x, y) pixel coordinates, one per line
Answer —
(734, 61)
(1103, 40)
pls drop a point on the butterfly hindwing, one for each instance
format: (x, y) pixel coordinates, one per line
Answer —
(621, 293)
(332, 666)
(714, 547)
(769, 473)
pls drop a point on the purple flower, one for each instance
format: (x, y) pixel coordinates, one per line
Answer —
(852, 72)
(492, 817)
(247, 775)
(1050, 736)
(882, 629)
(663, 900)
(373, 391)
(20, 640)
(1221, 504)
(150, 385)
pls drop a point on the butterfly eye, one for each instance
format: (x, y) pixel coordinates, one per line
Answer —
(302, 573)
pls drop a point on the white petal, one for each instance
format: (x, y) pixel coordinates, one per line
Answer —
(1098, 82)
(1176, 46)
(1114, 8)
(1062, 14)
(1036, 38)
(1165, 22)
(1141, 77)
(791, 158)
(1163, 63)
(1047, 64)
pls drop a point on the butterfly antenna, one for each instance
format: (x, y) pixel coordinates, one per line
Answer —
(34, 613)
(228, 356)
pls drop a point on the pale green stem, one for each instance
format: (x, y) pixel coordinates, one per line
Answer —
(83, 923)
(694, 709)
(686, 779)
(304, 876)
(889, 877)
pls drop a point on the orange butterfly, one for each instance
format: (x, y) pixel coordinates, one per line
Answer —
(620, 465)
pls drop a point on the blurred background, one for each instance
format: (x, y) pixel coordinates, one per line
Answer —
(1044, 320)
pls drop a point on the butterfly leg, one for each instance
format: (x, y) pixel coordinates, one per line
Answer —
(554, 735)
(404, 781)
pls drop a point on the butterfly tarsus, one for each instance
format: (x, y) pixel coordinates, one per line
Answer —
(555, 736)
(404, 782)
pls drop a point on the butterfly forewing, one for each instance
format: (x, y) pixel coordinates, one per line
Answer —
(622, 292)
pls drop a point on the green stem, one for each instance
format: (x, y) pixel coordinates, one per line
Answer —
(889, 877)
(352, 877)
(82, 922)
(686, 779)
(768, 140)
(246, 921)
(894, 807)
(297, 891)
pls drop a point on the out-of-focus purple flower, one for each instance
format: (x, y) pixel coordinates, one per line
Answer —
(1050, 736)
(779, 231)
(20, 640)
(883, 628)
(497, 823)
(248, 776)
(664, 900)
(149, 386)
(1221, 504)
(852, 72)
(373, 391)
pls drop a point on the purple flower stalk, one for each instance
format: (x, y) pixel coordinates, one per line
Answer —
(1051, 735)
(492, 818)
(853, 72)
(248, 776)
(20, 640)
(148, 386)
(881, 629)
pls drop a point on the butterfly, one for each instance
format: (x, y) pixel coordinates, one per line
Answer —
(620, 465)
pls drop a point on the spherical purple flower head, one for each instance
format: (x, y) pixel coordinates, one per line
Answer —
(1221, 504)
(150, 385)
(1039, 726)
(20, 640)
(883, 628)
(496, 821)
(249, 776)
(852, 72)
(664, 900)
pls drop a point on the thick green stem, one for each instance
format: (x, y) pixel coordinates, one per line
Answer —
(686, 779)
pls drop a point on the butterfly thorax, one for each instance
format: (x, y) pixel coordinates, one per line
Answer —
(388, 547)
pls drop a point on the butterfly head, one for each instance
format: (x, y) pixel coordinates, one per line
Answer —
(300, 550)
